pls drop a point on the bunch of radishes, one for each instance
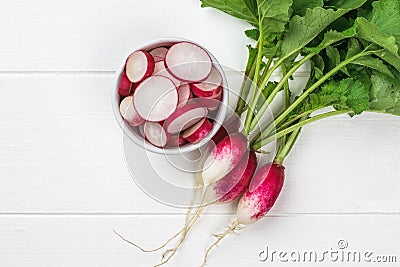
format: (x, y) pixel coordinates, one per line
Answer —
(169, 93)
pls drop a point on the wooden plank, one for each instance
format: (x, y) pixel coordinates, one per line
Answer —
(61, 152)
(90, 241)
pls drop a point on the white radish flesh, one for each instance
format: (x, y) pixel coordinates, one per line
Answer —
(160, 70)
(198, 132)
(210, 87)
(155, 134)
(125, 86)
(211, 103)
(139, 66)
(129, 113)
(184, 117)
(141, 130)
(156, 98)
(188, 62)
(184, 94)
(159, 53)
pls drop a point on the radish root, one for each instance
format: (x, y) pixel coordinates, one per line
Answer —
(188, 213)
(232, 228)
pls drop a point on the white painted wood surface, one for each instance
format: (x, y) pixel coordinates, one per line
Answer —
(63, 182)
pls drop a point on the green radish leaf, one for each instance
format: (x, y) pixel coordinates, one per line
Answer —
(269, 17)
(251, 58)
(302, 30)
(373, 63)
(386, 16)
(370, 32)
(300, 6)
(333, 56)
(344, 94)
(253, 34)
(332, 37)
(242, 9)
(384, 94)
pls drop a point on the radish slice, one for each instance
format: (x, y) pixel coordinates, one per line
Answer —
(139, 66)
(129, 113)
(141, 130)
(125, 86)
(211, 103)
(184, 117)
(198, 132)
(159, 69)
(155, 134)
(188, 62)
(183, 94)
(176, 140)
(159, 53)
(211, 86)
(156, 98)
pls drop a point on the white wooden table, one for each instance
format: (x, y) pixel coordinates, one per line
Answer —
(63, 182)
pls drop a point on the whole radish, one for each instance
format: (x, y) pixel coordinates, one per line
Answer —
(259, 198)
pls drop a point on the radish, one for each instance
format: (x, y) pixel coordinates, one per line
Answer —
(159, 53)
(211, 103)
(259, 198)
(155, 98)
(155, 134)
(211, 86)
(226, 190)
(184, 117)
(139, 66)
(141, 130)
(224, 156)
(184, 94)
(159, 69)
(188, 62)
(129, 113)
(236, 182)
(198, 132)
(229, 126)
(176, 140)
(125, 85)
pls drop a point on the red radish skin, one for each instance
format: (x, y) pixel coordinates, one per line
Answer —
(125, 86)
(210, 87)
(224, 157)
(184, 117)
(188, 62)
(176, 140)
(159, 53)
(155, 98)
(155, 134)
(184, 94)
(262, 193)
(237, 181)
(211, 103)
(198, 132)
(139, 66)
(129, 113)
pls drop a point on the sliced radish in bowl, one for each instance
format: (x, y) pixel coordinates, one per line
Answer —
(139, 66)
(188, 62)
(129, 113)
(125, 86)
(155, 134)
(176, 140)
(184, 94)
(155, 98)
(199, 131)
(211, 86)
(184, 117)
(159, 53)
(160, 70)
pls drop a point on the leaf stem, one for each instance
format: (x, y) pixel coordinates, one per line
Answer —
(258, 145)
